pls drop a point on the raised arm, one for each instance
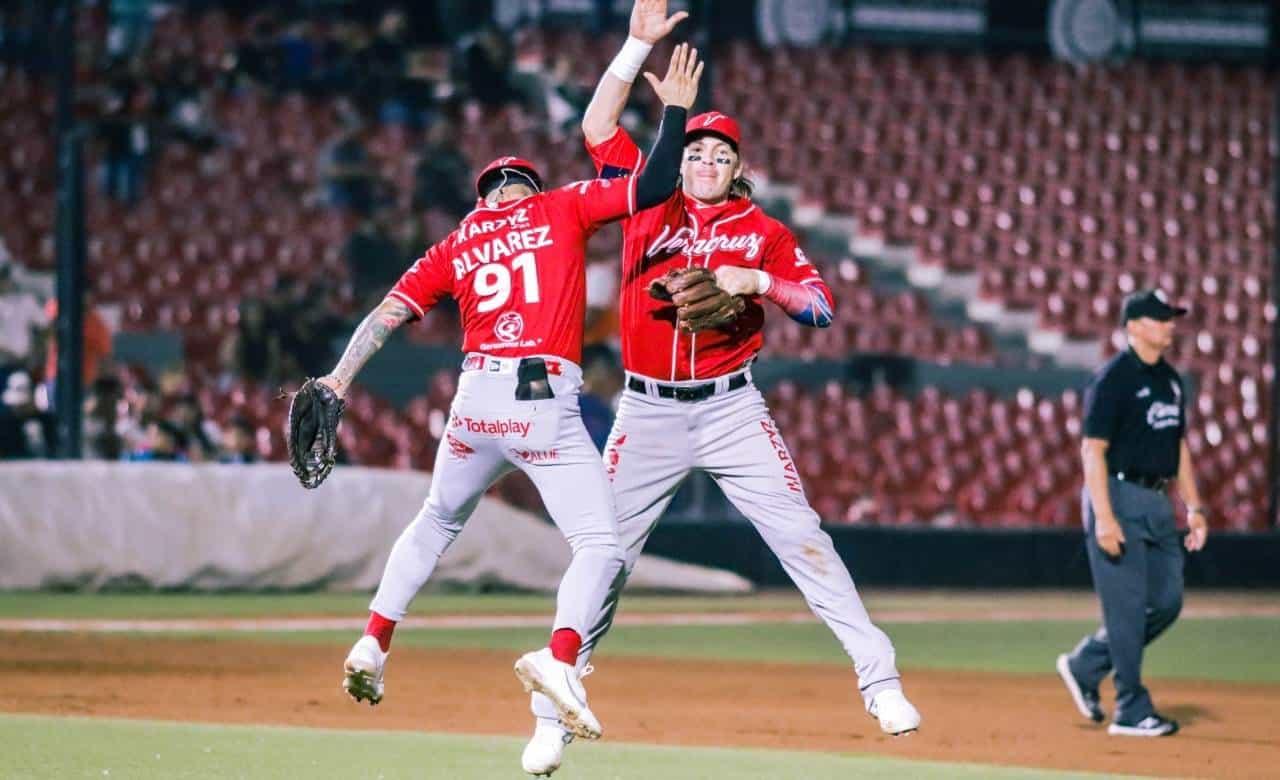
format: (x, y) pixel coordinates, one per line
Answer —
(369, 337)
(649, 24)
(677, 91)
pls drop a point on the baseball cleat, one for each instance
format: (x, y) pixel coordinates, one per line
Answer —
(1086, 699)
(897, 716)
(1154, 725)
(539, 671)
(363, 671)
(545, 750)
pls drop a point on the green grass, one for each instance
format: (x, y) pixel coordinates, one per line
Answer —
(67, 606)
(39, 604)
(63, 748)
(1241, 649)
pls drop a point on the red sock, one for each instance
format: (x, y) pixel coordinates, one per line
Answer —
(565, 644)
(381, 629)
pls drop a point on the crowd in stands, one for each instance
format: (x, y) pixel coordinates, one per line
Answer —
(259, 178)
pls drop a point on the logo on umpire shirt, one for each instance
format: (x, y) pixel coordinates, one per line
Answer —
(1162, 415)
(509, 327)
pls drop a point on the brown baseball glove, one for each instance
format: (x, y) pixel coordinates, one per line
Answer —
(700, 303)
(312, 435)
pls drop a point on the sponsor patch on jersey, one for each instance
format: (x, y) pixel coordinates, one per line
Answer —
(500, 428)
(509, 327)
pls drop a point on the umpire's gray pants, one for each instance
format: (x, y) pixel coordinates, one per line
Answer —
(1141, 594)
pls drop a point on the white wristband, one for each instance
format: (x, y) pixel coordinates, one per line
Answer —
(629, 61)
(766, 281)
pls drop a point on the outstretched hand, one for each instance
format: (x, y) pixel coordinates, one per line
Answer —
(680, 87)
(649, 21)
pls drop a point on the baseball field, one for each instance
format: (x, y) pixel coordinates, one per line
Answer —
(199, 686)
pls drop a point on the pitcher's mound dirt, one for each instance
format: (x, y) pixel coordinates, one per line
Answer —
(1229, 730)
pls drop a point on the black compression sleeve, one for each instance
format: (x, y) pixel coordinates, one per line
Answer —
(658, 179)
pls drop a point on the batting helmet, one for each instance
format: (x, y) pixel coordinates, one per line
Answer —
(507, 170)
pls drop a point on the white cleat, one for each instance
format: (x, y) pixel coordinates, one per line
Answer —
(897, 716)
(363, 670)
(540, 672)
(545, 750)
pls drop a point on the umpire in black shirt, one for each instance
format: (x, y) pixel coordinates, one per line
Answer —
(1134, 446)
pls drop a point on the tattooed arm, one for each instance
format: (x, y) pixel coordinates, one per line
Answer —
(369, 337)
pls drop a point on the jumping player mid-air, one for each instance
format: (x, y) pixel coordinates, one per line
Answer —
(689, 402)
(515, 265)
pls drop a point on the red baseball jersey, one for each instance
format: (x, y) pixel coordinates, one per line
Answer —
(517, 270)
(682, 232)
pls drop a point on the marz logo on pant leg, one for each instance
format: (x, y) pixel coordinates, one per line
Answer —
(789, 471)
(613, 454)
(458, 448)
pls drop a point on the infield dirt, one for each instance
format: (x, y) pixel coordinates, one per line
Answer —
(1228, 729)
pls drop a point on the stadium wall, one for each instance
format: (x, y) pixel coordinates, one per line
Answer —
(969, 558)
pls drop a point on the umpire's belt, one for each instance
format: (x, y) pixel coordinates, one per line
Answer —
(1148, 481)
(687, 392)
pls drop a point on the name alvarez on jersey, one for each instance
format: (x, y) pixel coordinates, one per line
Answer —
(504, 246)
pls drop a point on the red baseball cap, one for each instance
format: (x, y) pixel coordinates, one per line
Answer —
(515, 165)
(713, 123)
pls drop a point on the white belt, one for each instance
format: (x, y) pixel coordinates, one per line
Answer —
(478, 361)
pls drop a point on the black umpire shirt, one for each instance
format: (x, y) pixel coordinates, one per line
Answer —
(1140, 410)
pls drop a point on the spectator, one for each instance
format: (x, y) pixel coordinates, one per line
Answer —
(97, 343)
(130, 27)
(186, 107)
(253, 350)
(442, 176)
(374, 260)
(348, 175)
(145, 405)
(126, 137)
(601, 322)
(21, 320)
(385, 63)
(104, 431)
(303, 317)
(256, 62)
(240, 445)
(601, 383)
(164, 443)
(25, 431)
(201, 436)
(485, 65)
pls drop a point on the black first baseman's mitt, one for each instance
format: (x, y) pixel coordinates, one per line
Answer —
(700, 303)
(314, 415)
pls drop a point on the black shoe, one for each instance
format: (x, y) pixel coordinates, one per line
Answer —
(1086, 699)
(1154, 725)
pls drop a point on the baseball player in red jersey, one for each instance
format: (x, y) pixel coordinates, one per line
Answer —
(689, 402)
(515, 265)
